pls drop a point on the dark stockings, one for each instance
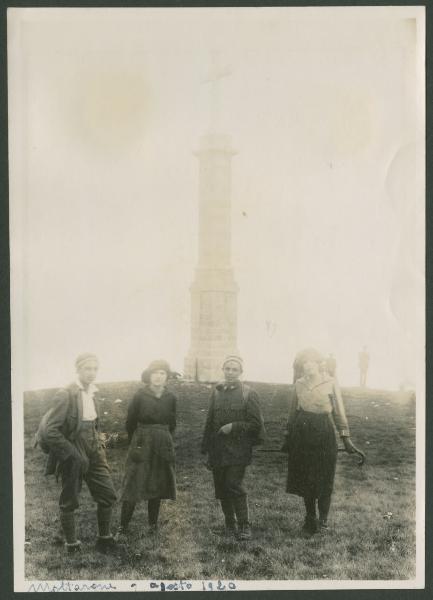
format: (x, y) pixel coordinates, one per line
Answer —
(128, 510)
(126, 514)
(310, 506)
(153, 510)
(324, 503)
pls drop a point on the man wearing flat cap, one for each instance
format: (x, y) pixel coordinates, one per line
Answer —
(234, 425)
(70, 432)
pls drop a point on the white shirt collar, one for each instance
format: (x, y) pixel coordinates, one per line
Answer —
(90, 390)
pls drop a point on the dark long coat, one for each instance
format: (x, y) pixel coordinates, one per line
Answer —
(229, 404)
(150, 463)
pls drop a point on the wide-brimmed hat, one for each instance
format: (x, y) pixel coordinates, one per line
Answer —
(155, 365)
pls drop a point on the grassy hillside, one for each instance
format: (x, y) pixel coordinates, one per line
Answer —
(372, 520)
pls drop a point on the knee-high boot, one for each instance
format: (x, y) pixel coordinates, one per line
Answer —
(105, 542)
(242, 515)
(103, 514)
(229, 513)
(67, 520)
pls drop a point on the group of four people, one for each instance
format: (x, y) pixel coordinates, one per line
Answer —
(70, 433)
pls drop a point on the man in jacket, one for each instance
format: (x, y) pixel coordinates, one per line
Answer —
(234, 424)
(70, 432)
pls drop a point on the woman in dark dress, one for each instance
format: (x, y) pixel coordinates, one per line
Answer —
(150, 463)
(315, 411)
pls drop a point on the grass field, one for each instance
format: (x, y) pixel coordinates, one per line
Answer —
(372, 520)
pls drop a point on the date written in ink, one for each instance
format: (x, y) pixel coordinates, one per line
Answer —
(184, 585)
(218, 586)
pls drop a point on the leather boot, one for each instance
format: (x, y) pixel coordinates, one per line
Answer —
(242, 515)
(229, 516)
(105, 540)
(103, 514)
(67, 520)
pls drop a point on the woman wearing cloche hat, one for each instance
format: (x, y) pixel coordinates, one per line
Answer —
(150, 463)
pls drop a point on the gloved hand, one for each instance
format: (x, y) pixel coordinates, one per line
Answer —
(226, 429)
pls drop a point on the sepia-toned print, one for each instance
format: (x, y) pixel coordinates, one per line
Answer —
(217, 266)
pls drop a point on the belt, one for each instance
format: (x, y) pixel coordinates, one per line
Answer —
(153, 426)
(87, 427)
(312, 413)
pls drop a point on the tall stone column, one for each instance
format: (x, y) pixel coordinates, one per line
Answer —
(214, 291)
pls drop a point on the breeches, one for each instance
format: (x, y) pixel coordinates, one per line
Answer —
(228, 481)
(97, 476)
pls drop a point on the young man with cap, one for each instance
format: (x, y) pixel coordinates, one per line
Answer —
(234, 425)
(70, 431)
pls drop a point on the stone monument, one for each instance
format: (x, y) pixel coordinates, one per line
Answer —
(214, 291)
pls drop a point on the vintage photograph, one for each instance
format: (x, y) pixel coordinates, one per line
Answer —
(217, 297)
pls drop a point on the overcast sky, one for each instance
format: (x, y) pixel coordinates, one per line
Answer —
(324, 110)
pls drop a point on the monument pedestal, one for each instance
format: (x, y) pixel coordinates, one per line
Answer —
(213, 323)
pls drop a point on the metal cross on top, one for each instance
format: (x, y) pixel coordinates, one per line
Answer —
(216, 72)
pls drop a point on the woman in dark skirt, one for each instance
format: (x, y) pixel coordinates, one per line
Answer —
(150, 463)
(315, 411)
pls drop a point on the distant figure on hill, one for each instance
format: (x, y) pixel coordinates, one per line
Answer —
(316, 406)
(331, 365)
(234, 425)
(363, 362)
(150, 469)
(70, 431)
